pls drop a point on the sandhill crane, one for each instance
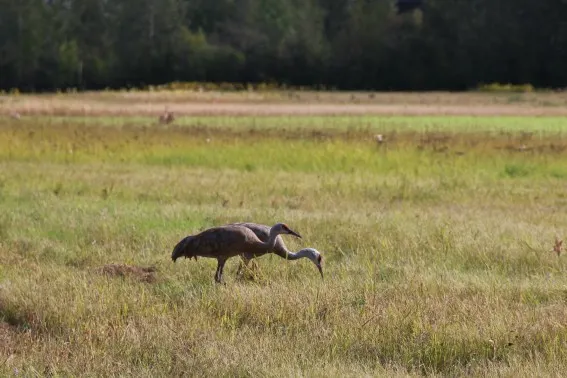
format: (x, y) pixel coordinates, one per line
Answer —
(224, 242)
(280, 249)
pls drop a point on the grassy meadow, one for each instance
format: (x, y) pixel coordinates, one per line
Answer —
(437, 242)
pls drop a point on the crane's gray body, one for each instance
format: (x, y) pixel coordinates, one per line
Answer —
(228, 241)
(225, 241)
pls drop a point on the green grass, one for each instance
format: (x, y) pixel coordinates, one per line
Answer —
(420, 124)
(436, 246)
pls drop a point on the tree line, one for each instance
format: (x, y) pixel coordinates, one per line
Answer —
(344, 44)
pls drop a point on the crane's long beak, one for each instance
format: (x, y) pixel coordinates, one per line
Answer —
(320, 270)
(291, 232)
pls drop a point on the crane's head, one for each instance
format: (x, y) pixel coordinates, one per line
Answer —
(181, 249)
(282, 228)
(313, 255)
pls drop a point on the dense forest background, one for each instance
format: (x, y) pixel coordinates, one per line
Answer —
(345, 44)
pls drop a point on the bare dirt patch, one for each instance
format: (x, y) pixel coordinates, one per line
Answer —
(144, 274)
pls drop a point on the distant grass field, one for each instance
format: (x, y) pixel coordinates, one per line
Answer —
(357, 124)
(436, 243)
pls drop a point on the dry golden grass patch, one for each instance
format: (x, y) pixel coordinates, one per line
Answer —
(286, 103)
(91, 138)
(8, 337)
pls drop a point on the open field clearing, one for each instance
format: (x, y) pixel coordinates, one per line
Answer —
(137, 103)
(437, 242)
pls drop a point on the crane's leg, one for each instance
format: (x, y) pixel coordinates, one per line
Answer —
(221, 270)
(220, 267)
(217, 272)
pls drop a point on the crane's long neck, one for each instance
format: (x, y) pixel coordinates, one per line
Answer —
(271, 243)
(296, 255)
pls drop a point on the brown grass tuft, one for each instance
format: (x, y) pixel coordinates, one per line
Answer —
(558, 247)
(7, 335)
(9, 341)
(166, 118)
